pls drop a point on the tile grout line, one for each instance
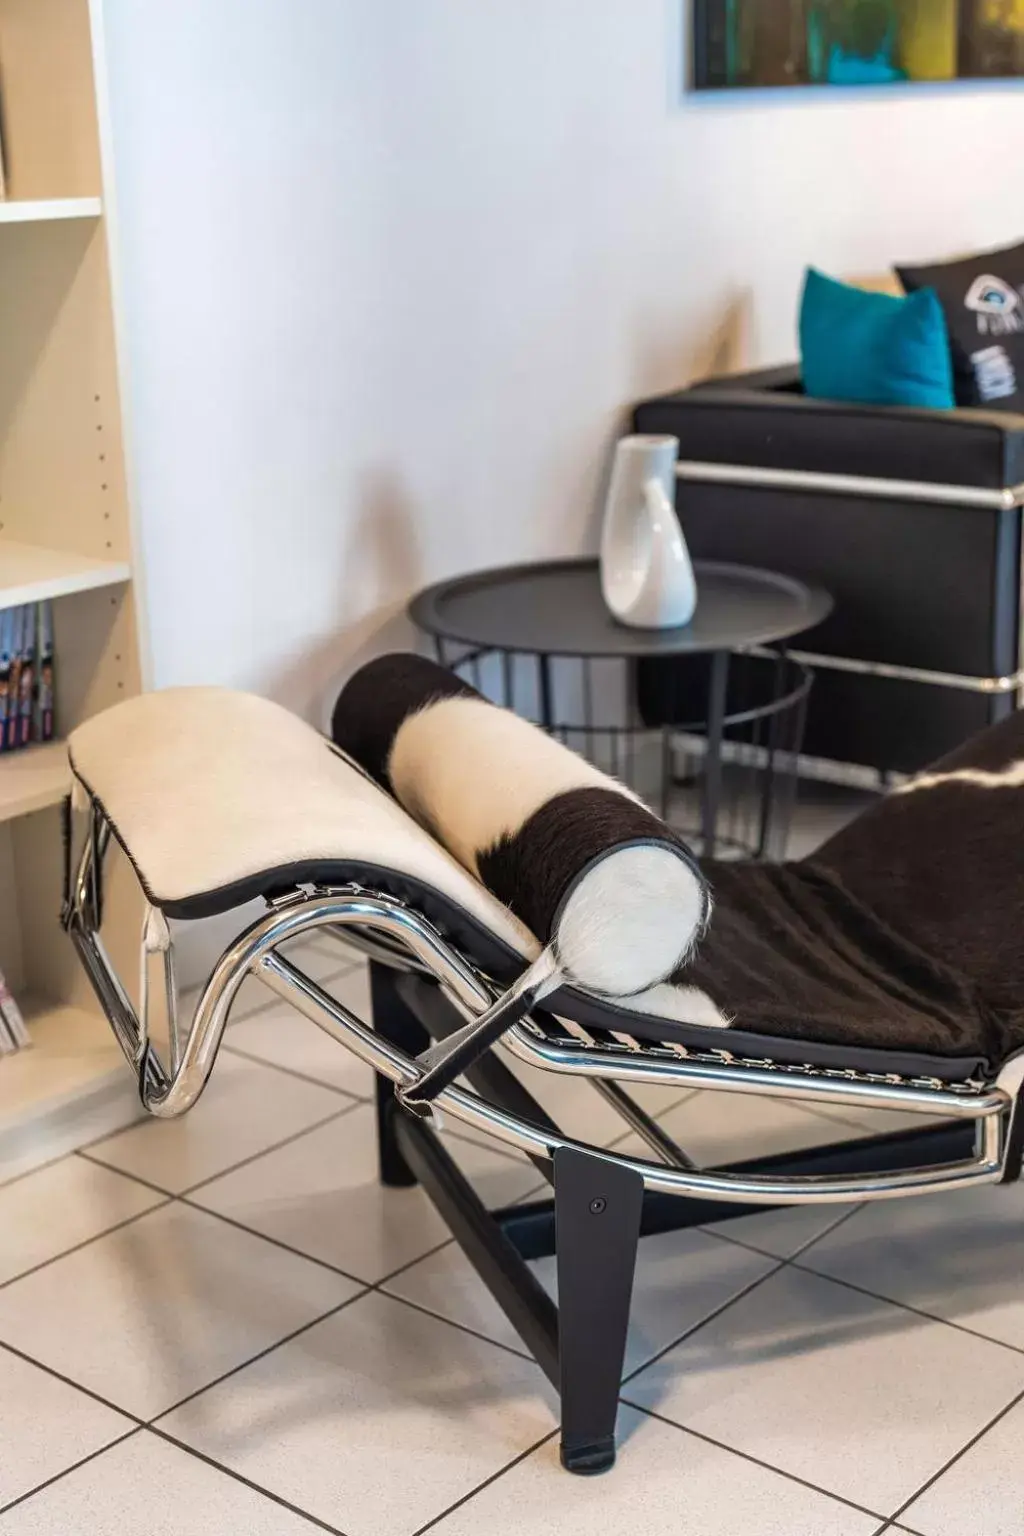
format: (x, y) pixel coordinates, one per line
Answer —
(778, 1265)
(136, 1178)
(260, 1354)
(438, 1317)
(153, 1425)
(275, 1242)
(447, 1242)
(974, 1440)
(452, 1242)
(379, 1288)
(302, 1077)
(276, 1146)
(467, 1498)
(836, 1117)
(86, 1242)
(364, 1288)
(737, 1242)
(48, 1482)
(247, 1482)
(904, 1306)
(321, 981)
(50, 1370)
(483, 1338)
(61, 1157)
(722, 1445)
(145, 1119)
(183, 1199)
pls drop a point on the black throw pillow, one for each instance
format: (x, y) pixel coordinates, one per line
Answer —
(983, 299)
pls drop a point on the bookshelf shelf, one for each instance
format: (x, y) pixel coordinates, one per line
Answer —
(37, 210)
(33, 779)
(30, 574)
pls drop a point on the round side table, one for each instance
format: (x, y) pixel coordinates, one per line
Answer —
(553, 612)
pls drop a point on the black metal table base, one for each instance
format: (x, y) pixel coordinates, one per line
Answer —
(592, 1224)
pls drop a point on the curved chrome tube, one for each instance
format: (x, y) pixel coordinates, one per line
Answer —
(636, 1067)
(254, 952)
(253, 949)
(336, 1020)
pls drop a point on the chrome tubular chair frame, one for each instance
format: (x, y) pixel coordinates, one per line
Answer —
(424, 991)
(389, 928)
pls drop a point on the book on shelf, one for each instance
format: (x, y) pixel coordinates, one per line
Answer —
(13, 1033)
(26, 676)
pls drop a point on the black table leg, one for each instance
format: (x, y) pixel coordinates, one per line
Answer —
(768, 776)
(547, 708)
(713, 761)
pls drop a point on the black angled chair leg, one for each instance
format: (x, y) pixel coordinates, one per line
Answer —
(399, 1026)
(597, 1221)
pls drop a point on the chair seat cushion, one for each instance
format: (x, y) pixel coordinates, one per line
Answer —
(219, 797)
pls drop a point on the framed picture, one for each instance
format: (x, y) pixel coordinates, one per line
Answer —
(758, 43)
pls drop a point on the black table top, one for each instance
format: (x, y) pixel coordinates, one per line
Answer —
(555, 608)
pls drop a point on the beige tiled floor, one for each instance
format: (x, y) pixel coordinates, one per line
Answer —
(223, 1325)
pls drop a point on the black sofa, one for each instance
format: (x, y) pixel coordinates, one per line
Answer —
(911, 519)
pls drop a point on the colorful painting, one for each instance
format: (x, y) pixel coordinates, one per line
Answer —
(854, 42)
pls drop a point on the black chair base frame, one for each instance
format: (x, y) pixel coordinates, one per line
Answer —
(592, 1224)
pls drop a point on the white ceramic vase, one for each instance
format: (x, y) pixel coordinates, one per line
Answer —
(646, 574)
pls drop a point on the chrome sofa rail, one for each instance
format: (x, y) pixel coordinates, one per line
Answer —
(999, 499)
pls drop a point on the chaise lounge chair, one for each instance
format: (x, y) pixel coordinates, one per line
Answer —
(505, 890)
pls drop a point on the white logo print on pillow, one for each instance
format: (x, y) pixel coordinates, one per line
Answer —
(997, 304)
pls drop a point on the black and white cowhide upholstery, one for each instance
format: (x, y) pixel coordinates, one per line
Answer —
(901, 935)
(593, 873)
(903, 932)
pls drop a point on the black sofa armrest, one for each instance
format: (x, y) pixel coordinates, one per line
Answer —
(763, 420)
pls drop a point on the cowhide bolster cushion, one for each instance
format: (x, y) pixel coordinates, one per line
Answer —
(575, 855)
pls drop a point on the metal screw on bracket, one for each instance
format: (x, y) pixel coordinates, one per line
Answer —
(598, 1206)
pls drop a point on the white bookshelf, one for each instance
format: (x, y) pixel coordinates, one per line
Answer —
(65, 537)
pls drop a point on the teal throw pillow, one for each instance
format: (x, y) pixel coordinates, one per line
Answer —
(874, 348)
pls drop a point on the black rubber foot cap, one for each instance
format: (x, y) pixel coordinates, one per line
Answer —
(586, 1460)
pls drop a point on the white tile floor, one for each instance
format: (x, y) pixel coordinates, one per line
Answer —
(222, 1325)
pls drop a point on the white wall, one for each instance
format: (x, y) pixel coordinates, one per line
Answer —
(393, 271)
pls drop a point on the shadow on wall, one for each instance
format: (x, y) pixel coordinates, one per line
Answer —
(727, 347)
(382, 560)
(381, 567)
(667, 361)
(722, 349)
